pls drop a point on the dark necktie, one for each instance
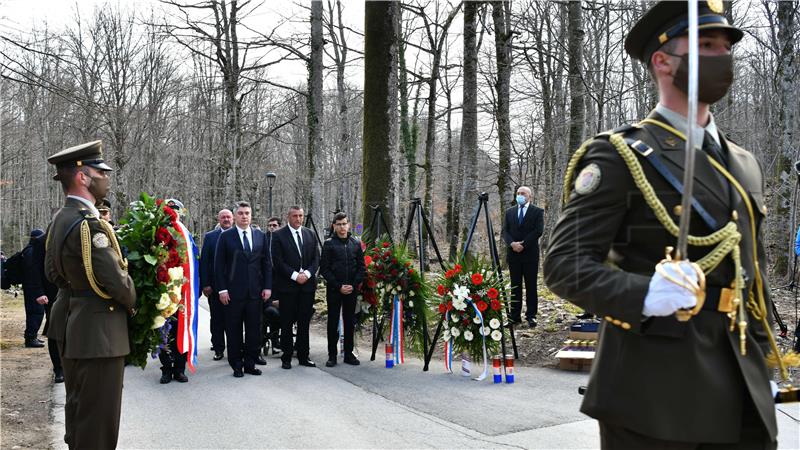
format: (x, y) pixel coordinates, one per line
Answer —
(711, 147)
(521, 216)
(299, 246)
(245, 242)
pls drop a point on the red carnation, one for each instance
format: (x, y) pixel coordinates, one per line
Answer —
(163, 236)
(174, 259)
(386, 245)
(495, 305)
(393, 272)
(450, 306)
(465, 321)
(408, 263)
(481, 306)
(371, 284)
(441, 289)
(374, 249)
(477, 279)
(475, 297)
(411, 271)
(448, 274)
(492, 293)
(162, 275)
(442, 308)
(159, 202)
(173, 216)
(367, 260)
(457, 268)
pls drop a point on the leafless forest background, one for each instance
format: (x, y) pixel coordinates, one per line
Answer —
(486, 96)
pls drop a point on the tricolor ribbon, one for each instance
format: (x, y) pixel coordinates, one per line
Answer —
(483, 337)
(190, 294)
(448, 346)
(396, 330)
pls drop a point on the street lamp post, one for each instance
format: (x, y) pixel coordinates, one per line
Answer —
(270, 183)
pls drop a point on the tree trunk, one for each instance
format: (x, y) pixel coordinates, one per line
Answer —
(312, 190)
(380, 109)
(469, 121)
(502, 43)
(577, 91)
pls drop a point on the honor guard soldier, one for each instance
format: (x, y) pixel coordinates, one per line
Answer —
(659, 380)
(90, 318)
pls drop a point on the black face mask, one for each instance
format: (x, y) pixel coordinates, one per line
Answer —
(715, 77)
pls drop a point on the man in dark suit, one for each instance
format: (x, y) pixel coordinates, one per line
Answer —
(243, 280)
(32, 290)
(45, 293)
(522, 228)
(296, 259)
(225, 221)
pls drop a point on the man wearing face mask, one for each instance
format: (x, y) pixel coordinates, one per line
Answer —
(659, 380)
(522, 228)
(95, 294)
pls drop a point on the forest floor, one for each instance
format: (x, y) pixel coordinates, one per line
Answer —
(26, 380)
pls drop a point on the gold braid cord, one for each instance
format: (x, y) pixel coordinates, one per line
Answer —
(112, 236)
(726, 240)
(86, 252)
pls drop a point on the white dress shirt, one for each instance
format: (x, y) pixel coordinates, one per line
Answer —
(680, 123)
(299, 246)
(241, 240)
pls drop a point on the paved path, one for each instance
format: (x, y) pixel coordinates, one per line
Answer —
(355, 407)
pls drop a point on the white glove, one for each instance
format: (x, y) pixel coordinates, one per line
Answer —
(774, 387)
(664, 296)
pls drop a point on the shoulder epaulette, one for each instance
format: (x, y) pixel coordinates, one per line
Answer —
(87, 214)
(623, 129)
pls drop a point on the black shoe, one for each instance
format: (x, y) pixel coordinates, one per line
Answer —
(34, 343)
(218, 356)
(58, 376)
(260, 361)
(330, 363)
(238, 373)
(307, 363)
(352, 360)
(166, 377)
(252, 371)
(180, 377)
(532, 323)
(286, 365)
(584, 316)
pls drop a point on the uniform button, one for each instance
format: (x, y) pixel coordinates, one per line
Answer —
(617, 322)
(626, 326)
(677, 210)
(735, 215)
(110, 308)
(764, 209)
(608, 318)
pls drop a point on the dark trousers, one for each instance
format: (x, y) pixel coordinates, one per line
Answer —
(752, 435)
(295, 307)
(94, 399)
(527, 271)
(217, 311)
(243, 312)
(52, 344)
(172, 361)
(347, 305)
(34, 315)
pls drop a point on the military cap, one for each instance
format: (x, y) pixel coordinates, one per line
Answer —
(88, 154)
(104, 205)
(174, 203)
(36, 232)
(670, 19)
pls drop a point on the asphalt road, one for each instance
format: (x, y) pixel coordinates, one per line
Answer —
(355, 407)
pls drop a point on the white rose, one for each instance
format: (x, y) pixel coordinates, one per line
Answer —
(446, 336)
(454, 318)
(411, 293)
(410, 304)
(494, 323)
(476, 320)
(175, 273)
(468, 335)
(485, 330)
(158, 322)
(497, 335)
(163, 301)
(176, 291)
(455, 332)
(171, 309)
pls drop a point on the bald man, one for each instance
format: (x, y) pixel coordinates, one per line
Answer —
(225, 221)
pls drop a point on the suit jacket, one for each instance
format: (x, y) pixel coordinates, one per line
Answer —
(207, 254)
(692, 373)
(37, 282)
(287, 260)
(88, 326)
(528, 232)
(243, 275)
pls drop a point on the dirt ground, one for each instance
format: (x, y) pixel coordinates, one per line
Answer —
(26, 379)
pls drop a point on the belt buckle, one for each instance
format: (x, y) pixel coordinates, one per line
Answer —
(726, 296)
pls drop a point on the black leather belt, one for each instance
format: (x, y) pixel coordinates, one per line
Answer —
(719, 299)
(82, 293)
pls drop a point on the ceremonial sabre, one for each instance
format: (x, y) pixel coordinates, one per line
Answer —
(681, 252)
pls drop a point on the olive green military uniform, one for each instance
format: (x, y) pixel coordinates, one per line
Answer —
(89, 320)
(657, 382)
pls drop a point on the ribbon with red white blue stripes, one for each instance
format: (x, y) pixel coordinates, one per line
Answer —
(483, 336)
(396, 330)
(190, 295)
(448, 346)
